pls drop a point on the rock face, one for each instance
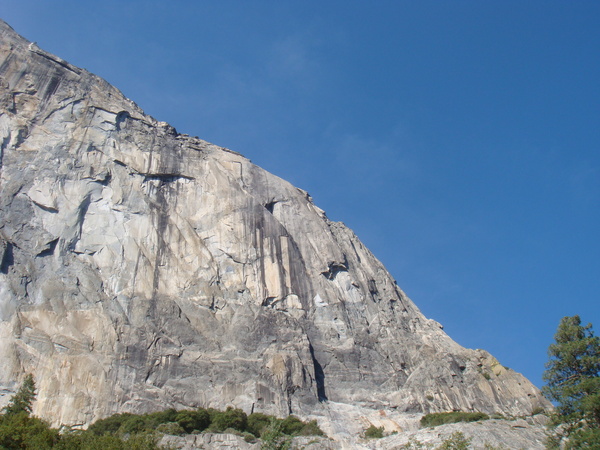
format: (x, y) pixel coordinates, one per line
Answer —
(530, 434)
(143, 269)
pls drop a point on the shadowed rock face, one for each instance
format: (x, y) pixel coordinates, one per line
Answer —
(143, 269)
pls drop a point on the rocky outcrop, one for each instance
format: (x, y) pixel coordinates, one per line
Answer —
(234, 442)
(143, 269)
(530, 434)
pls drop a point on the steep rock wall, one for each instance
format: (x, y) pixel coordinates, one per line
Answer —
(143, 269)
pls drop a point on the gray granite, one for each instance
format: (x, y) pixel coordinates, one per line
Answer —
(143, 269)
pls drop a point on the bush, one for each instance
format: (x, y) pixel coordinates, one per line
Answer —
(231, 418)
(133, 424)
(374, 432)
(257, 422)
(172, 428)
(311, 429)
(76, 440)
(156, 418)
(129, 424)
(538, 410)
(273, 438)
(19, 430)
(434, 419)
(291, 425)
(142, 441)
(192, 421)
(457, 441)
(110, 425)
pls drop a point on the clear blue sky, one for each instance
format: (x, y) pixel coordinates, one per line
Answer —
(460, 140)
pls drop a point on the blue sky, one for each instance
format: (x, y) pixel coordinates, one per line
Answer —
(460, 140)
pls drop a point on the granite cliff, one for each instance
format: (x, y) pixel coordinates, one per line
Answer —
(143, 269)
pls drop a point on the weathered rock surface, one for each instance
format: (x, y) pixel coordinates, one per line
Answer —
(143, 269)
(508, 434)
(520, 433)
(207, 440)
(231, 441)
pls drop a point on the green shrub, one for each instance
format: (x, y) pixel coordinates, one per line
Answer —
(374, 432)
(291, 425)
(273, 438)
(434, 419)
(109, 425)
(311, 429)
(192, 421)
(19, 430)
(457, 441)
(172, 428)
(142, 441)
(133, 424)
(79, 439)
(538, 410)
(231, 418)
(257, 422)
(212, 413)
(156, 418)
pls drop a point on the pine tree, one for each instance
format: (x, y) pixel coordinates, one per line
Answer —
(23, 398)
(573, 383)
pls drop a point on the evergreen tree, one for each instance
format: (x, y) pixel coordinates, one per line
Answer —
(573, 383)
(23, 398)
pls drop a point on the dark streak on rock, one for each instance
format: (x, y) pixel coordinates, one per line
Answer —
(319, 376)
(52, 87)
(7, 258)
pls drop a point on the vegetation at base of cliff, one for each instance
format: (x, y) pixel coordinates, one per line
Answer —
(434, 419)
(210, 420)
(573, 383)
(18, 429)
